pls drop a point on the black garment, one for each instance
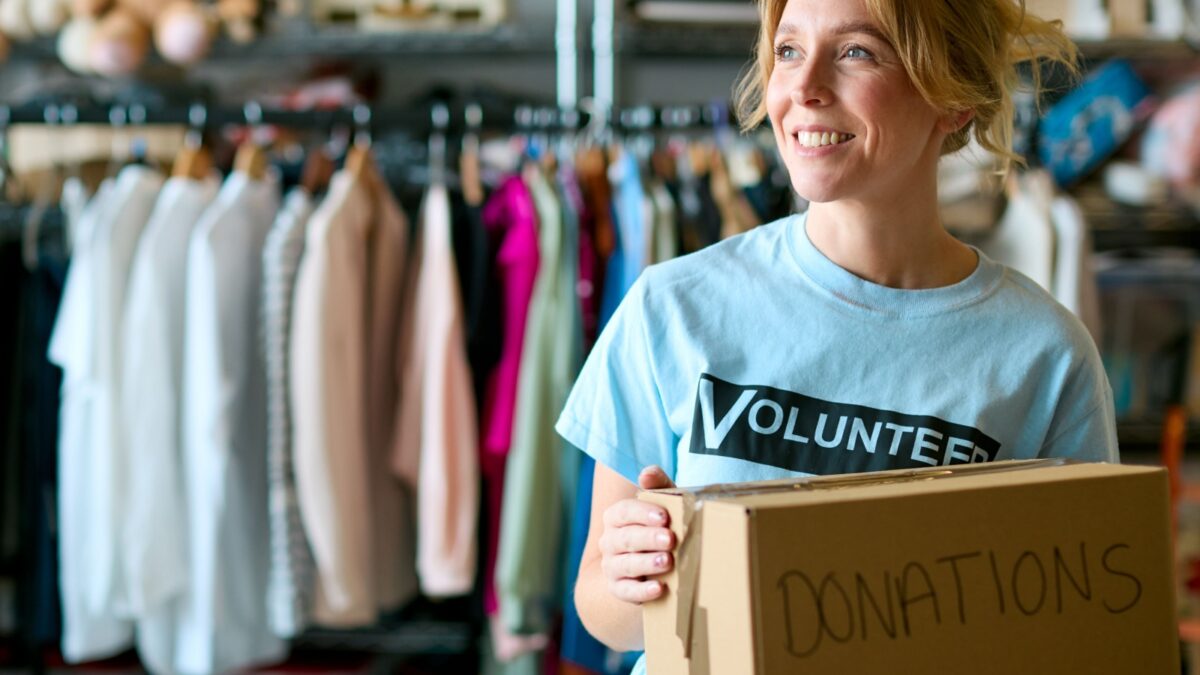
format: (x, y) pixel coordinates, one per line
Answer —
(11, 269)
(41, 382)
(482, 304)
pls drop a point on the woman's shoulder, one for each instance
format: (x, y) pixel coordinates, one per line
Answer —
(721, 263)
(1035, 311)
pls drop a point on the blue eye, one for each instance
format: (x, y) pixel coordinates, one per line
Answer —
(785, 53)
(856, 52)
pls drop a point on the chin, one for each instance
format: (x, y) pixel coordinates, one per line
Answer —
(820, 186)
(818, 193)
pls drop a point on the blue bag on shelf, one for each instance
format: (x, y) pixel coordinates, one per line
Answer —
(1089, 124)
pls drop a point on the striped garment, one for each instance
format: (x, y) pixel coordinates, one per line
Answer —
(292, 573)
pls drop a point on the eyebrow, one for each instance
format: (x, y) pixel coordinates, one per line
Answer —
(842, 29)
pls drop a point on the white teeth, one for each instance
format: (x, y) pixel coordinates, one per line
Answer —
(815, 139)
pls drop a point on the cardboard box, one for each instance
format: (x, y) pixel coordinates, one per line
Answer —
(1043, 567)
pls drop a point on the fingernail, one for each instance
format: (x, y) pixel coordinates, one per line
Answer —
(660, 560)
(658, 516)
(664, 539)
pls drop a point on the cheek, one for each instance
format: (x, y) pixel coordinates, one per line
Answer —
(776, 98)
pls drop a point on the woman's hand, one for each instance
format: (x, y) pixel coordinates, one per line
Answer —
(637, 543)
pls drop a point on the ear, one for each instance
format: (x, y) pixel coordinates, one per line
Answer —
(953, 121)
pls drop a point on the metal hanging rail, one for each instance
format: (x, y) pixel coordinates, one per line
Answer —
(415, 119)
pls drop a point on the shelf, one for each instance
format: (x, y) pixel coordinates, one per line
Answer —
(1115, 239)
(690, 41)
(1138, 49)
(664, 40)
(503, 40)
(1148, 435)
(409, 638)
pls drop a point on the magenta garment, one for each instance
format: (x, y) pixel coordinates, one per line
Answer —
(511, 219)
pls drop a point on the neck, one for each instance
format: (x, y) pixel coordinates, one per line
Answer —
(898, 242)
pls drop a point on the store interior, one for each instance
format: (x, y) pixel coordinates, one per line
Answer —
(462, 94)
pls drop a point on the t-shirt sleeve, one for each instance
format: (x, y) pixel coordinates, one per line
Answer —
(1084, 425)
(615, 412)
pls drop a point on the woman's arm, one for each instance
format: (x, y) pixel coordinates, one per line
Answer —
(627, 541)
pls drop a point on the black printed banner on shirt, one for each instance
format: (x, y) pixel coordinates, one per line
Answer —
(800, 433)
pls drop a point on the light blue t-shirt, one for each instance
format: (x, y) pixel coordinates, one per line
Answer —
(759, 358)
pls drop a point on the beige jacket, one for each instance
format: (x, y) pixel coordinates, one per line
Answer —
(349, 291)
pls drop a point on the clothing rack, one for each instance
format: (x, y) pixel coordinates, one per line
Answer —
(445, 117)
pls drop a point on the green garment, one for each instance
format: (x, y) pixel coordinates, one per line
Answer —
(528, 564)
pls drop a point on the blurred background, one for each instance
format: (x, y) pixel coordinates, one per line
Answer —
(203, 188)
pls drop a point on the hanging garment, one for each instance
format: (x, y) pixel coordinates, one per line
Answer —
(93, 480)
(592, 169)
(736, 214)
(436, 434)
(292, 574)
(154, 533)
(627, 261)
(579, 647)
(11, 469)
(511, 217)
(1024, 238)
(345, 337)
(40, 382)
(482, 299)
(704, 224)
(663, 242)
(527, 569)
(1074, 277)
(471, 253)
(223, 622)
(590, 262)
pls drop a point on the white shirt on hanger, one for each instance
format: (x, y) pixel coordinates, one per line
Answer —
(154, 536)
(1024, 238)
(93, 480)
(223, 624)
(1074, 277)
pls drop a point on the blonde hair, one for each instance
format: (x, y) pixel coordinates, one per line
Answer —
(960, 55)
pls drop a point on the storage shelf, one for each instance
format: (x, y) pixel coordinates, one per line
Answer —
(498, 41)
(1148, 435)
(409, 638)
(661, 40)
(664, 40)
(1113, 239)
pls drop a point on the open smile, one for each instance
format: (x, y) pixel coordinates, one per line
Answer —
(819, 139)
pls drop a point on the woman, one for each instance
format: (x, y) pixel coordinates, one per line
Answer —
(857, 337)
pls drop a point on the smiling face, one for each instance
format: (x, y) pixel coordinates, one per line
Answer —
(847, 119)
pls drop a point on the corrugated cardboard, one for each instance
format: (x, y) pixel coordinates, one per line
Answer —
(1013, 567)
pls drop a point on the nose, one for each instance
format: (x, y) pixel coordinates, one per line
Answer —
(811, 84)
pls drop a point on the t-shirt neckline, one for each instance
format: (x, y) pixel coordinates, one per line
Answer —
(866, 296)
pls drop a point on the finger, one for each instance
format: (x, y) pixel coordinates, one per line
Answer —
(637, 592)
(636, 539)
(636, 565)
(635, 512)
(654, 478)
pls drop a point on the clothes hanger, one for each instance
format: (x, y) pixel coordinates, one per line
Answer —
(251, 158)
(317, 171)
(437, 144)
(358, 157)
(468, 159)
(47, 193)
(194, 161)
(8, 179)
